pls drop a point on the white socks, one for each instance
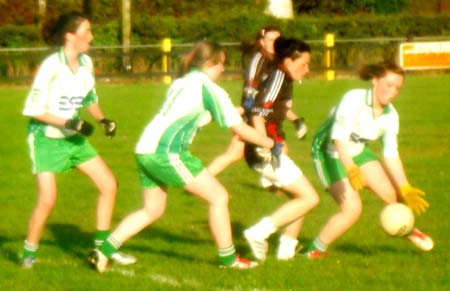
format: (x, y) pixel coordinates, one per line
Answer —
(263, 229)
(286, 248)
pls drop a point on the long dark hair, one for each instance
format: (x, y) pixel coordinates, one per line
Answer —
(289, 48)
(54, 30)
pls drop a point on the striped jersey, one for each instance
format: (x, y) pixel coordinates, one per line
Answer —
(59, 91)
(190, 100)
(258, 70)
(354, 122)
(273, 102)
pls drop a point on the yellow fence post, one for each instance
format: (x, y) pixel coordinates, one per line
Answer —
(166, 48)
(329, 56)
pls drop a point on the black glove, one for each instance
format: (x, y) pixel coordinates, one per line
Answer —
(109, 126)
(80, 126)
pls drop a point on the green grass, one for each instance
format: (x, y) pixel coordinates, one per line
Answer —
(177, 253)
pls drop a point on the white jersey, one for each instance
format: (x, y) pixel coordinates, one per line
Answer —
(355, 122)
(58, 91)
(189, 102)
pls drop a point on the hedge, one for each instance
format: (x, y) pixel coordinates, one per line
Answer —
(235, 25)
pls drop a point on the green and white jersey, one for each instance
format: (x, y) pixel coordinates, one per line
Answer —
(59, 91)
(189, 102)
(354, 121)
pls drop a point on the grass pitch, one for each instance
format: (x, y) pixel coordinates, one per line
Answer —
(177, 253)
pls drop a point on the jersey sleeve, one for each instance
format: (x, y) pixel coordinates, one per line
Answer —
(37, 99)
(389, 139)
(92, 96)
(346, 113)
(264, 101)
(254, 67)
(217, 102)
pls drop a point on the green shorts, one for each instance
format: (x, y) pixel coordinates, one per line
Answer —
(331, 170)
(168, 169)
(58, 155)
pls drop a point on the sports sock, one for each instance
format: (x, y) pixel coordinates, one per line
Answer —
(319, 245)
(288, 242)
(29, 250)
(110, 246)
(264, 228)
(227, 256)
(100, 236)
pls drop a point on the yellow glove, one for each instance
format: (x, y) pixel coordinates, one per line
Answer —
(355, 177)
(412, 197)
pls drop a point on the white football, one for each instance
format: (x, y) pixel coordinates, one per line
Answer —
(397, 219)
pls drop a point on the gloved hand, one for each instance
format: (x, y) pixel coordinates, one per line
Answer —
(412, 197)
(248, 103)
(355, 177)
(264, 154)
(300, 127)
(276, 151)
(250, 92)
(80, 126)
(109, 126)
(249, 97)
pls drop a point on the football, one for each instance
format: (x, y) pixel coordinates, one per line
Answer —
(397, 219)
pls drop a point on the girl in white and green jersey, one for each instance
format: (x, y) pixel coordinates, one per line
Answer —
(63, 86)
(164, 159)
(345, 164)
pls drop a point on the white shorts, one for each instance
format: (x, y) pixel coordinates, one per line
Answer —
(284, 175)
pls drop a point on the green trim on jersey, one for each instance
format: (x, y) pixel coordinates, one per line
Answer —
(213, 106)
(168, 169)
(331, 170)
(177, 136)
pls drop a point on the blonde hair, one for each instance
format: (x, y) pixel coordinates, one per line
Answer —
(202, 52)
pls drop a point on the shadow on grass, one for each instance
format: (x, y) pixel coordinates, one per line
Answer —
(177, 244)
(72, 240)
(366, 250)
(7, 252)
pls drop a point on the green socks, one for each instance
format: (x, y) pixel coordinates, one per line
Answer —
(29, 250)
(317, 244)
(110, 246)
(227, 256)
(100, 236)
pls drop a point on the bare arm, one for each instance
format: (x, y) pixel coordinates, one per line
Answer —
(251, 135)
(95, 111)
(259, 124)
(291, 116)
(396, 171)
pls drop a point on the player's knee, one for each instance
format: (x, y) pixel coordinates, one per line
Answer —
(221, 197)
(47, 204)
(154, 212)
(109, 187)
(391, 197)
(353, 210)
(313, 200)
